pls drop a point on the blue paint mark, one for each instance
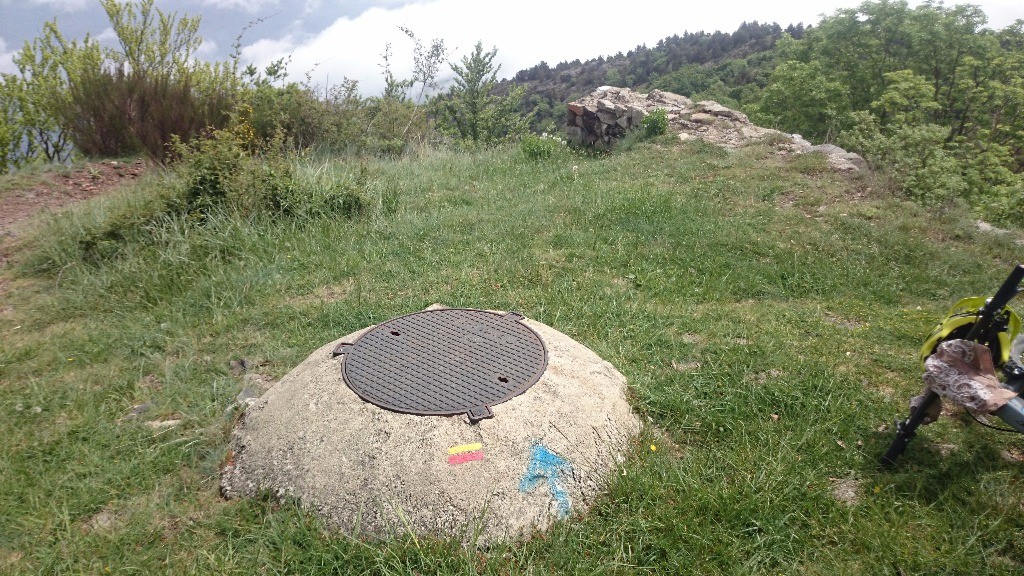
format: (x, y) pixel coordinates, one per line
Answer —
(545, 465)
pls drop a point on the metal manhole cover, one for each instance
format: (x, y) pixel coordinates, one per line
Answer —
(444, 362)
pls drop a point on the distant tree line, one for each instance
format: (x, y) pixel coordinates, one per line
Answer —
(719, 64)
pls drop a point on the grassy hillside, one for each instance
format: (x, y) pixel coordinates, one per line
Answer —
(766, 313)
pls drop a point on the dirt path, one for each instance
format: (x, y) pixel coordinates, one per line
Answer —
(56, 190)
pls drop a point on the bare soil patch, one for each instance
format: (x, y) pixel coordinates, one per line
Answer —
(56, 190)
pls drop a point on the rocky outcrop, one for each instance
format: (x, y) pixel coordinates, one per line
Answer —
(608, 113)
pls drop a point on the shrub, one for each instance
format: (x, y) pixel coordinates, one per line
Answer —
(13, 131)
(1003, 204)
(395, 126)
(210, 170)
(655, 123)
(471, 111)
(234, 170)
(286, 108)
(115, 102)
(913, 156)
(537, 148)
(803, 98)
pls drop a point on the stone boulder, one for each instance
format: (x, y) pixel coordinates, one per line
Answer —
(606, 115)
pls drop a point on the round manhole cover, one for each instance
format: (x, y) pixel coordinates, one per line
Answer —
(444, 362)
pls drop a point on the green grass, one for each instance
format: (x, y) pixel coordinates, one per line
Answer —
(767, 315)
(29, 177)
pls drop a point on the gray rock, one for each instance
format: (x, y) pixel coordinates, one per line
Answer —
(636, 115)
(246, 395)
(702, 118)
(239, 367)
(716, 109)
(669, 98)
(607, 117)
(827, 149)
(856, 160)
(608, 113)
(799, 141)
(137, 411)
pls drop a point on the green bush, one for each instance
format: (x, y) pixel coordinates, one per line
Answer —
(1004, 205)
(471, 111)
(211, 170)
(537, 148)
(655, 123)
(13, 131)
(394, 126)
(802, 98)
(230, 170)
(334, 122)
(116, 102)
(912, 156)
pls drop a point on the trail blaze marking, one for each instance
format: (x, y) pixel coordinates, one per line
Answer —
(456, 459)
(465, 453)
(547, 466)
(465, 448)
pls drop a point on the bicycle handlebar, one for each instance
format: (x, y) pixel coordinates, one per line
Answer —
(906, 430)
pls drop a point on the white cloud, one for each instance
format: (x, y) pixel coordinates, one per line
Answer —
(207, 50)
(265, 51)
(7, 59)
(251, 6)
(311, 6)
(107, 37)
(63, 5)
(1002, 13)
(525, 33)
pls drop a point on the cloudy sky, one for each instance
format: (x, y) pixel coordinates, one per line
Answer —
(336, 39)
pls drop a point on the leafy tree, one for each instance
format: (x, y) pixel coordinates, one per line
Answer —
(12, 126)
(116, 101)
(40, 92)
(908, 100)
(931, 97)
(801, 98)
(471, 112)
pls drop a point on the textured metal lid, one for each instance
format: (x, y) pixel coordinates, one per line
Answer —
(444, 362)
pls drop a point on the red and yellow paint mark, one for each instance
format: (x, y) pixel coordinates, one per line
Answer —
(465, 453)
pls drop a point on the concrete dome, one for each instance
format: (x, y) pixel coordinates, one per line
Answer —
(545, 454)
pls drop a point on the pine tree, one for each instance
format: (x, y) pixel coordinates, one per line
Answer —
(470, 112)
